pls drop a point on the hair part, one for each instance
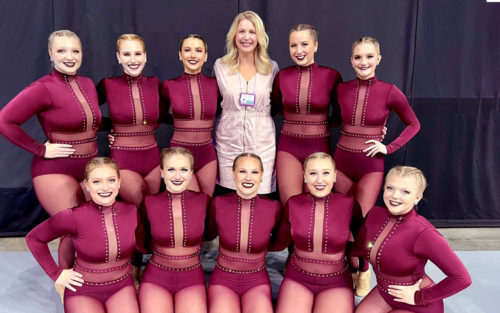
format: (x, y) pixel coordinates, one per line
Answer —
(262, 60)
(62, 33)
(319, 155)
(248, 155)
(366, 39)
(195, 36)
(99, 162)
(168, 152)
(125, 37)
(302, 27)
(405, 171)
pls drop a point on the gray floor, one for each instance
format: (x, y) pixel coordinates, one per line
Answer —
(25, 287)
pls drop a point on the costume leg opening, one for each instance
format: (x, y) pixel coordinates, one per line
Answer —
(154, 298)
(344, 184)
(334, 300)
(132, 187)
(294, 297)
(257, 300)
(57, 192)
(290, 176)
(222, 299)
(206, 177)
(367, 190)
(83, 304)
(153, 181)
(373, 303)
(191, 299)
(123, 301)
(193, 184)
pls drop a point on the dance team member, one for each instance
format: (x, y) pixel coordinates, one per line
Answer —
(317, 278)
(245, 76)
(133, 101)
(174, 277)
(365, 105)
(303, 93)
(102, 231)
(67, 108)
(398, 243)
(193, 102)
(244, 222)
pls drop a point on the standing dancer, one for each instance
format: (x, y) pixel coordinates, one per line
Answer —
(303, 93)
(133, 101)
(68, 111)
(193, 102)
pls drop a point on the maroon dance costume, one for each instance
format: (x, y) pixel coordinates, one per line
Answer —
(104, 241)
(193, 98)
(176, 272)
(68, 111)
(365, 106)
(398, 248)
(226, 220)
(299, 226)
(304, 95)
(134, 109)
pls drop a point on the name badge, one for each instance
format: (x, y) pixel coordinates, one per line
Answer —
(247, 99)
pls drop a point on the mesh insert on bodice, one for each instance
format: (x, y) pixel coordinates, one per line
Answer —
(114, 268)
(84, 142)
(303, 123)
(354, 135)
(197, 129)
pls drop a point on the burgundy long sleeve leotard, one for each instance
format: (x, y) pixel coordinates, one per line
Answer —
(177, 220)
(104, 240)
(244, 227)
(398, 248)
(304, 95)
(365, 106)
(68, 111)
(193, 102)
(134, 109)
(303, 213)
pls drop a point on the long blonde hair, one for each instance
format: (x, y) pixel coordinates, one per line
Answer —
(262, 60)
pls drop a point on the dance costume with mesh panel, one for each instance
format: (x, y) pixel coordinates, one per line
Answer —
(167, 214)
(134, 109)
(193, 102)
(365, 106)
(226, 220)
(398, 248)
(68, 111)
(304, 95)
(302, 211)
(104, 241)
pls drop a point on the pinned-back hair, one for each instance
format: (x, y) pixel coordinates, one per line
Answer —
(62, 33)
(130, 37)
(414, 172)
(196, 36)
(366, 39)
(248, 155)
(300, 27)
(318, 155)
(168, 152)
(98, 162)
